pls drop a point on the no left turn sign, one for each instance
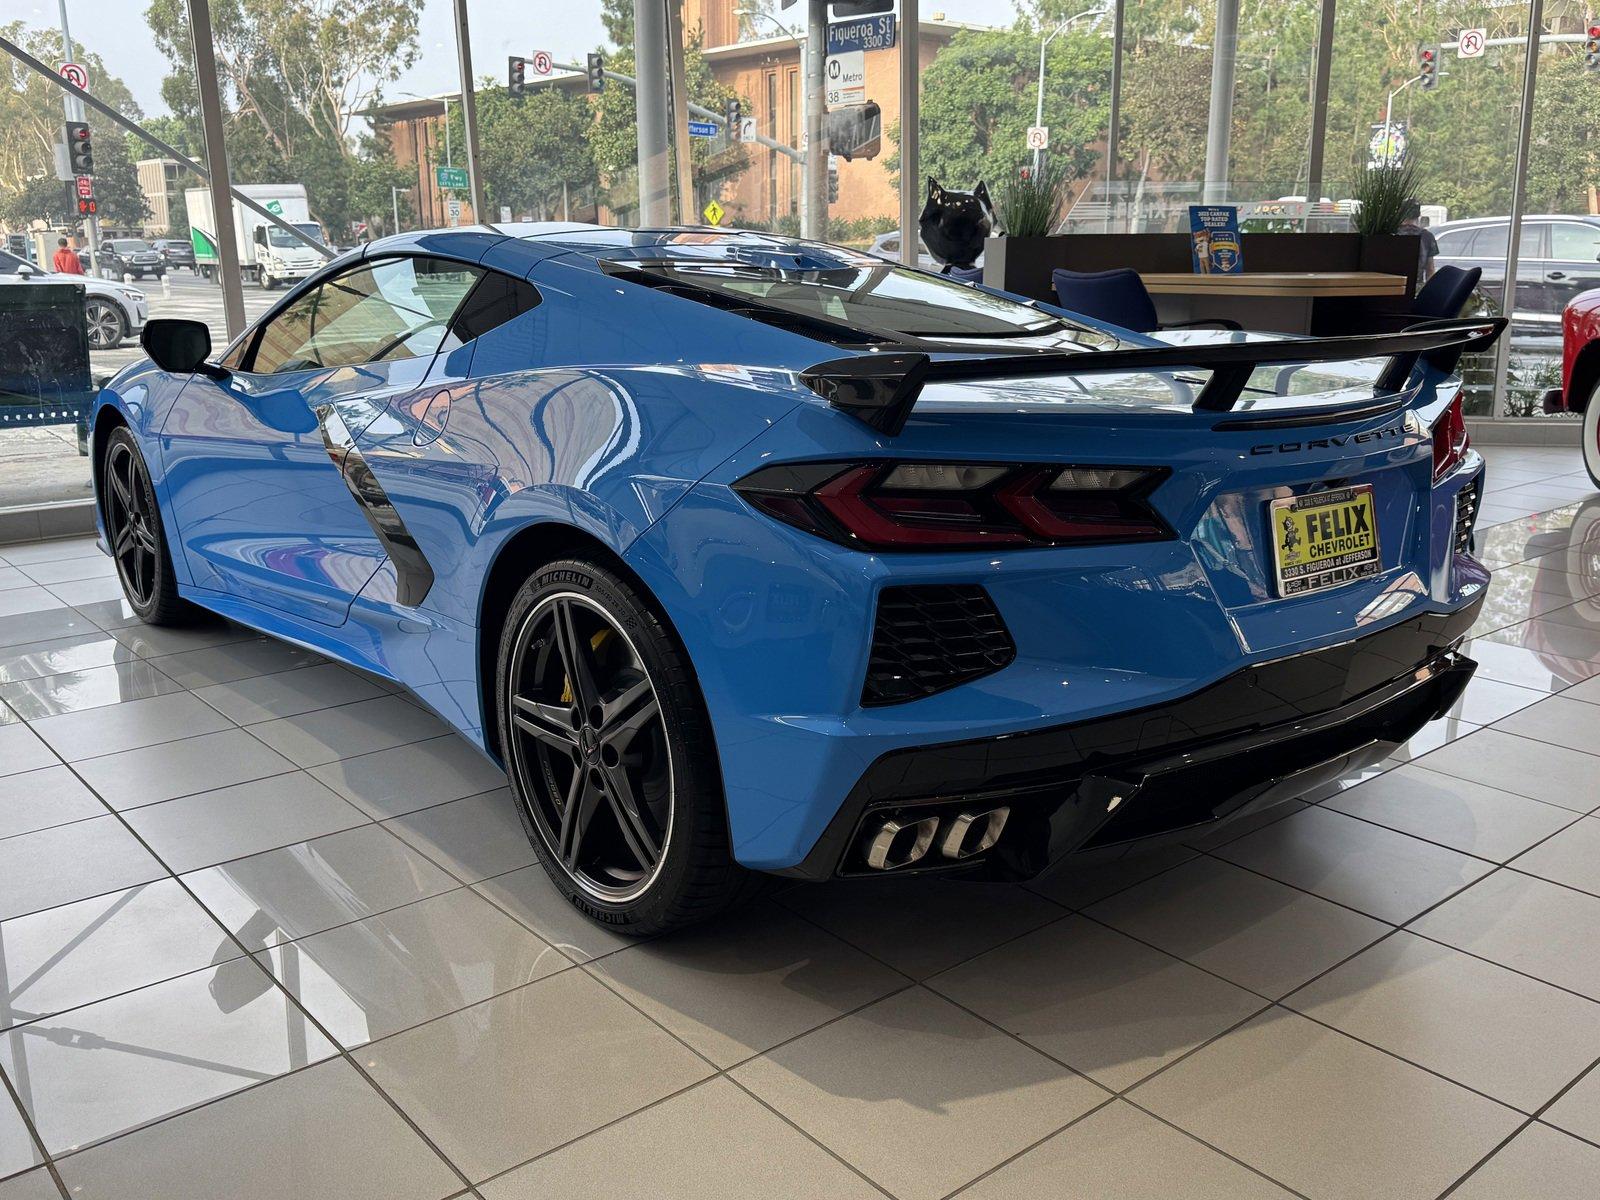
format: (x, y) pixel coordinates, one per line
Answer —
(1471, 43)
(74, 74)
(542, 62)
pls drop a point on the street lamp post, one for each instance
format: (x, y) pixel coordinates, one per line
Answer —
(1038, 108)
(1388, 121)
(394, 199)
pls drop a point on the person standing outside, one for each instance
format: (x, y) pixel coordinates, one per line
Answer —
(66, 260)
(1428, 250)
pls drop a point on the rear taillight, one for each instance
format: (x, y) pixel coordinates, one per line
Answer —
(946, 506)
(1450, 440)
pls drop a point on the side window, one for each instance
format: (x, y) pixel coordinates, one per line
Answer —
(379, 312)
(1574, 242)
(497, 299)
(1490, 242)
(1453, 242)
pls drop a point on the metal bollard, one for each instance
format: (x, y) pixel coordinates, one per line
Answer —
(166, 286)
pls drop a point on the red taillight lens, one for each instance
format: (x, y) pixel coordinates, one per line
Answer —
(946, 506)
(1450, 441)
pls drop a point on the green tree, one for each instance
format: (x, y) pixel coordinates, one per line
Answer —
(528, 148)
(30, 126)
(296, 77)
(979, 98)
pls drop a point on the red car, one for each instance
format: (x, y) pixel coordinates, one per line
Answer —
(1580, 373)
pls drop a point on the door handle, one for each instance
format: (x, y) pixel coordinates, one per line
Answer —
(1556, 275)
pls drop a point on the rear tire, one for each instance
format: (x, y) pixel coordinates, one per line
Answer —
(613, 763)
(1591, 434)
(136, 536)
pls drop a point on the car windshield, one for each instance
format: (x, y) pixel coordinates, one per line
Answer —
(129, 246)
(874, 297)
(281, 237)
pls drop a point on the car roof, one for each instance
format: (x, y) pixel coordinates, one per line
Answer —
(1474, 222)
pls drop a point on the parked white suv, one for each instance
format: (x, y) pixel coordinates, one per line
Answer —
(113, 311)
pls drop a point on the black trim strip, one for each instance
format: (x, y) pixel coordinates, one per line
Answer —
(413, 573)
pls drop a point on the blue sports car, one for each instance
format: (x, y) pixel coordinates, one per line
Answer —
(747, 556)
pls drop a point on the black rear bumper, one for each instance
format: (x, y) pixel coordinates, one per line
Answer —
(1265, 734)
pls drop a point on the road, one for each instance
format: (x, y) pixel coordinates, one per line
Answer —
(41, 466)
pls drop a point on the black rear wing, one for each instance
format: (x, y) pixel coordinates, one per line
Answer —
(880, 388)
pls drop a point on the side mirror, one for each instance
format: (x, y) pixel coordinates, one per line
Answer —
(27, 270)
(179, 347)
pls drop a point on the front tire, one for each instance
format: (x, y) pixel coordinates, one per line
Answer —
(610, 754)
(134, 531)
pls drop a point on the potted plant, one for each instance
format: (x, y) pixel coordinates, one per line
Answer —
(1384, 193)
(1028, 207)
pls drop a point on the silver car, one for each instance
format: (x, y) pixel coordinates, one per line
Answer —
(112, 311)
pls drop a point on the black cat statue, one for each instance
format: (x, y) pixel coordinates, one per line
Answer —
(954, 224)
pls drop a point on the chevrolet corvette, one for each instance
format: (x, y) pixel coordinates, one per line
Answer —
(748, 556)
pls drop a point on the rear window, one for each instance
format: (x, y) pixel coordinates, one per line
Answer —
(130, 246)
(870, 296)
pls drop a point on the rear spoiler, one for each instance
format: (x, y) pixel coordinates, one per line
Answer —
(880, 388)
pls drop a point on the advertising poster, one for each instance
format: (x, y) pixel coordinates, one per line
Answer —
(1214, 239)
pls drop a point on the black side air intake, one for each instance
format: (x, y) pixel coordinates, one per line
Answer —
(931, 638)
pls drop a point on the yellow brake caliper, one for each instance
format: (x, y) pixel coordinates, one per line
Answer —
(598, 640)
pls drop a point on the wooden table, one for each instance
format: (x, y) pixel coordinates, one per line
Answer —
(1282, 301)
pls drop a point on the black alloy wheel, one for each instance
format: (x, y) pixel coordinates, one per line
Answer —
(590, 748)
(130, 524)
(134, 533)
(609, 751)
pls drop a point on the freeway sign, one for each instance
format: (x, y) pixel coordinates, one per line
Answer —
(705, 129)
(866, 33)
(451, 178)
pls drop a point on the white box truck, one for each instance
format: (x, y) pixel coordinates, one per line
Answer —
(266, 253)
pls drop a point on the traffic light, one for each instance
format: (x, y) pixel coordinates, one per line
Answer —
(1428, 66)
(733, 114)
(1591, 49)
(80, 148)
(517, 83)
(597, 72)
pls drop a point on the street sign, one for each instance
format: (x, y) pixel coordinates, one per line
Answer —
(505, 212)
(747, 129)
(1038, 137)
(703, 129)
(845, 9)
(867, 33)
(846, 76)
(541, 62)
(712, 213)
(453, 213)
(1471, 43)
(74, 74)
(451, 178)
(85, 187)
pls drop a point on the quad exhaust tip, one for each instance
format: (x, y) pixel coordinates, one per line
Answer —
(903, 841)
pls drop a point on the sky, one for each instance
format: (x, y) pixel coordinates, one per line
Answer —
(115, 29)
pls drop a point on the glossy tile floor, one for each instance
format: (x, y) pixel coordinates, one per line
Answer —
(266, 930)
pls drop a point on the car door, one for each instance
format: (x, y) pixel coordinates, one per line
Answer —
(255, 463)
(1574, 263)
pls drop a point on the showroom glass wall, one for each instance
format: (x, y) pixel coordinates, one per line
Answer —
(360, 105)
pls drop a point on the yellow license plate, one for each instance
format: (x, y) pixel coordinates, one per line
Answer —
(1324, 539)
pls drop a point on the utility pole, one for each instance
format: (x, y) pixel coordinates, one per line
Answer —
(650, 51)
(1519, 197)
(814, 173)
(1114, 126)
(469, 110)
(394, 200)
(73, 108)
(1219, 128)
(1322, 75)
(910, 130)
(684, 148)
(205, 72)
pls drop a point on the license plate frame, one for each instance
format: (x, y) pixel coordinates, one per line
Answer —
(1302, 562)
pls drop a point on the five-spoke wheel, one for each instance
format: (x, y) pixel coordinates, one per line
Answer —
(131, 523)
(589, 744)
(609, 752)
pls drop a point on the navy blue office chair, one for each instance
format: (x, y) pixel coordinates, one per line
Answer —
(966, 274)
(1117, 297)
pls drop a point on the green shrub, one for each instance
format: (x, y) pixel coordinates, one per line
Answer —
(1030, 207)
(1383, 193)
